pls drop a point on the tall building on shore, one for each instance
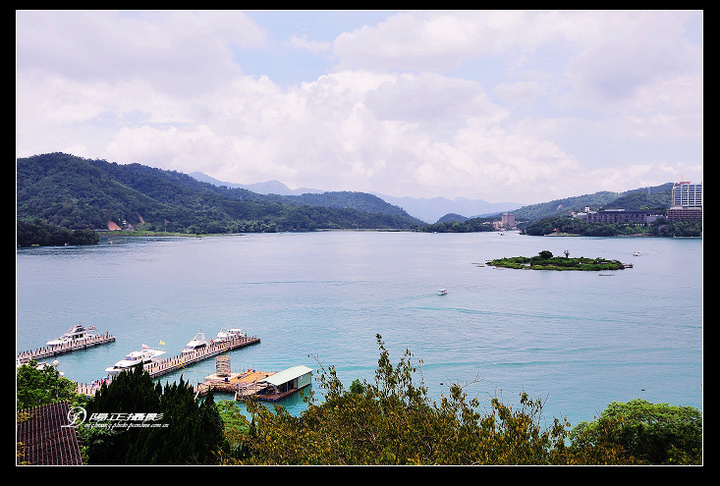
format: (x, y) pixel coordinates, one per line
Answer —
(686, 203)
(508, 220)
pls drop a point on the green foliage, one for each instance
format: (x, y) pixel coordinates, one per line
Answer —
(657, 197)
(41, 385)
(393, 421)
(681, 228)
(649, 197)
(545, 261)
(568, 224)
(473, 225)
(76, 193)
(32, 231)
(650, 433)
(191, 433)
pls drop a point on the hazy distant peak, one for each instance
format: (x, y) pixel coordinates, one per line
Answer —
(268, 187)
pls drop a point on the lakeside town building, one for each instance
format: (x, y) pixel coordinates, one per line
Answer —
(622, 216)
(507, 221)
(686, 205)
(686, 202)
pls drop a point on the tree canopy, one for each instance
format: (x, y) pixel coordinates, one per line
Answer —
(192, 432)
(40, 385)
(393, 421)
(649, 433)
(571, 225)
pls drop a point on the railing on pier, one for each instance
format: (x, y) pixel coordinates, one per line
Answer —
(90, 389)
(164, 366)
(58, 349)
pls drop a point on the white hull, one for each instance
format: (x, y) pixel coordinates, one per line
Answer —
(133, 359)
(197, 343)
(75, 334)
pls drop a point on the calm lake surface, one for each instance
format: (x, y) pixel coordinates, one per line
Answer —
(578, 340)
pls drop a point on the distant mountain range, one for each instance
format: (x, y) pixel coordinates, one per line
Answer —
(428, 210)
(431, 210)
(76, 193)
(269, 187)
(440, 209)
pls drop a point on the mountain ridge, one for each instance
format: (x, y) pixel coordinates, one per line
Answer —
(78, 193)
(428, 210)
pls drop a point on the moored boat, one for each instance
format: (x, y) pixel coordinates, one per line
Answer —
(75, 333)
(197, 343)
(146, 355)
(229, 334)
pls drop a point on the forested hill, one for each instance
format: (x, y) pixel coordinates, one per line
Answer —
(656, 197)
(77, 193)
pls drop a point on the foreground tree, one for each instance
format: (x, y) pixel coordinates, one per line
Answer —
(189, 432)
(392, 421)
(651, 433)
(42, 384)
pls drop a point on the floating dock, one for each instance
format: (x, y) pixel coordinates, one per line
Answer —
(263, 385)
(164, 366)
(247, 381)
(56, 350)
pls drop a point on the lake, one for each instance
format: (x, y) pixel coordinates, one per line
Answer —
(578, 340)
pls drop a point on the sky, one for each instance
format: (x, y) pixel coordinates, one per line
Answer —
(507, 105)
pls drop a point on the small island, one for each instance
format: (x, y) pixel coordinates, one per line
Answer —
(546, 261)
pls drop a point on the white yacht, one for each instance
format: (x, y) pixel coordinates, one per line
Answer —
(442, 292)
(75, 333)
(134, 358)
(229, 334)
(197, 343)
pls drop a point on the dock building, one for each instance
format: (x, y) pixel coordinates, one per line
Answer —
(262, 385)
(286, 382)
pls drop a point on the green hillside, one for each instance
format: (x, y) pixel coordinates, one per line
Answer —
(76, 193)
(642, 198)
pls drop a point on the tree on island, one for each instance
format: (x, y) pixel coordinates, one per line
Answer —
(546, 261)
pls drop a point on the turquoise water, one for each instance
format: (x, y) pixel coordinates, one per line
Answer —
(577, 340)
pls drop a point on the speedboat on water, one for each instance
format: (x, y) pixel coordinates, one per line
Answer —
(75, 333)
(442, 292)
(229, 334)
(197, 343)
(146, 355)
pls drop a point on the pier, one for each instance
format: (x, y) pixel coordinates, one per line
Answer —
(164, 366)
(243, 384)
(70, 346)
(262, 385)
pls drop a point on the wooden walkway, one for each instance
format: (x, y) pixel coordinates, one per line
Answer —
(238, 383)
(49, 351)
(45, 438)
(176, 363)
(245, 386)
